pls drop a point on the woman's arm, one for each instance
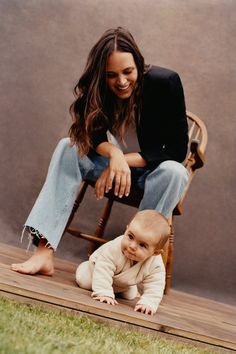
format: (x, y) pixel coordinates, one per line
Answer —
(134, 159)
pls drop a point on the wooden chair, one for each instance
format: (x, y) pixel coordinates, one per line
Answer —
(195, 159)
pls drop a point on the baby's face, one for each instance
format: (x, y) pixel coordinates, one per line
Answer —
(138, 245)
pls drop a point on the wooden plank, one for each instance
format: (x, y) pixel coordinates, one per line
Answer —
(179, 314)
(84, 304)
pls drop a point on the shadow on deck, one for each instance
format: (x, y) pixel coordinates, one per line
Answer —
(179, 314)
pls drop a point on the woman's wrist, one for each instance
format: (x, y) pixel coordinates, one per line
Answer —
(115, 151)
(108, 150)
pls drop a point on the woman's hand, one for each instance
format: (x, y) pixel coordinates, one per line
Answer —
(117, 171)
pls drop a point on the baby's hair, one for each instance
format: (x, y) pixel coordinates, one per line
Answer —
(152, 220)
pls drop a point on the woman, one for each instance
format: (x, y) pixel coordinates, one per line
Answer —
(116, 93)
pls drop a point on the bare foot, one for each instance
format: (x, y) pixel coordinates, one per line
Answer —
(41, 262)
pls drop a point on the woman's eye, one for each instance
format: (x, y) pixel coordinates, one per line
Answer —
(111, 75)
(130, 237)
(142, 245)
(127, 72)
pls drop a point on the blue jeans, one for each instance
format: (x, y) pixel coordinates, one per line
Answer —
(163, 188)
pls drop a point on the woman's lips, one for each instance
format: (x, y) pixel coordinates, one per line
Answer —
(123, 89)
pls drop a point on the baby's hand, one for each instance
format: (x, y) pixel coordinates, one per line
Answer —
(144, 309)
(106, 299)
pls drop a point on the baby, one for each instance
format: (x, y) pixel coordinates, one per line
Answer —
(129, 260)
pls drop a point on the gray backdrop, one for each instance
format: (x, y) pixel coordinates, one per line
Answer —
(44, 45)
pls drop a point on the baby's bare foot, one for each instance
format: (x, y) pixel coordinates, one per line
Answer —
(41, 262)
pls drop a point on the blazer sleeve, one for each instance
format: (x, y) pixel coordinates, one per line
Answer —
(177, 139)
(97, 137)
(164, 134)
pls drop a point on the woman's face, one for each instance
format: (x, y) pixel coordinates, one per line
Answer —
(121, 74)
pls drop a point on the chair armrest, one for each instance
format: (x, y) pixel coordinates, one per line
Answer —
(196, 159)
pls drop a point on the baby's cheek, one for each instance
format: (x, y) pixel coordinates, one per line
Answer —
(122, 247)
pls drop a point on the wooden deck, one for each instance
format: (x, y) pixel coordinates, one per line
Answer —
(179, 314)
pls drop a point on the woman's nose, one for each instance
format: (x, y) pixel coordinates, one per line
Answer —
(122, 80)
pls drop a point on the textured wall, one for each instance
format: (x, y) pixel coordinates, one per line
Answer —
(44, 45)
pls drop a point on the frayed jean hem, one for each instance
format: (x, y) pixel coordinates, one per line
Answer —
(34, 236)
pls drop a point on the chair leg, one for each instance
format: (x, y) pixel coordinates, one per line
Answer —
(165, 253)
(102, 222)
(169, 260)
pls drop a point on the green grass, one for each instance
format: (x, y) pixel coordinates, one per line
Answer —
(30, 329)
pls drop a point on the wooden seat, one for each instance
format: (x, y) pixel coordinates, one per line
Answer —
(195, 159)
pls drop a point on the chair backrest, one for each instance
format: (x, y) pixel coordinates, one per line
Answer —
(196, 151)
(197, 139)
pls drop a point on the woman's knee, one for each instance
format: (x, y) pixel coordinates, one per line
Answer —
(64, 142)
(64, 148)
(174, 169)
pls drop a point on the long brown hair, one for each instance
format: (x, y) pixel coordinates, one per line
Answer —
(95, 105)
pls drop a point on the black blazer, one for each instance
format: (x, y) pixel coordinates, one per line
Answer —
(162, 130)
